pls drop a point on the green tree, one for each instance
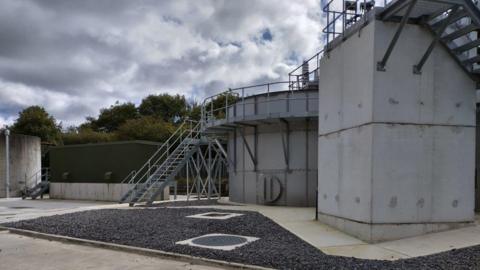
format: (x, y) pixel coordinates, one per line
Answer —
(110, 119)
(145, 128)
(36, 121)
(167, 107)
(87, 136)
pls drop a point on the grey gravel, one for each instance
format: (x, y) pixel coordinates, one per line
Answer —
(160, 228)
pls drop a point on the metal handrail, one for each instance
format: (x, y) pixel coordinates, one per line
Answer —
(152, 163)
(41, 175)
(208, 111)
(128, 177)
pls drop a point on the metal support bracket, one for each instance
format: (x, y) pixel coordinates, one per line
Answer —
(286, 143)
(381, 65)
(251, 153)
(417, 69)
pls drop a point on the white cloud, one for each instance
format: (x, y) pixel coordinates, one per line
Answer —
(74, 57)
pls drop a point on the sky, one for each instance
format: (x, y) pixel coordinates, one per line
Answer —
(75, 57)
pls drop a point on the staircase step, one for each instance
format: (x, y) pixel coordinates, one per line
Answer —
(472, 60)
(456, 17)
(465, 30)
(467, 46)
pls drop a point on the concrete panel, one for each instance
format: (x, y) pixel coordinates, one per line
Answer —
(90, 191)
(297, 184)
(423, 174)
(442, 94)
(346, 80)
(344, 180)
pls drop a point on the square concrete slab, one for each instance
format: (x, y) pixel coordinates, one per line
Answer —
(215, 215)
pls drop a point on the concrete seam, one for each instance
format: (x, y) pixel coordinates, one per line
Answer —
(134, 250)
(394, 123)
(397, 223)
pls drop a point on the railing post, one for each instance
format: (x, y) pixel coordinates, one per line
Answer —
(243, 102)
(268, 99)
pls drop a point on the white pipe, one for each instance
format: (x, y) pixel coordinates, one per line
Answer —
(7, 162)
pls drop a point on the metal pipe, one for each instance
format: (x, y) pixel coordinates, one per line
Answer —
(7, 162)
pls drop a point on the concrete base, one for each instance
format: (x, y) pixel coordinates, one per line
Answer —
(91, 191)
(374, 233)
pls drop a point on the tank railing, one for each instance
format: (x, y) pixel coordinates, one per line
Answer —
(307, 72)
(351, 11)
(238, 111)
(185, 130)
(212, 111)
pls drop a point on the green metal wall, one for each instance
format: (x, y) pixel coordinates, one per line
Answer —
(88, 163)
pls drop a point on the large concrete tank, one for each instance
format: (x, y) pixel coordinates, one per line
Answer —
(24, 159)
(272, 144)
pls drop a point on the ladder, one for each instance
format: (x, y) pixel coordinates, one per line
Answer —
(160, 170)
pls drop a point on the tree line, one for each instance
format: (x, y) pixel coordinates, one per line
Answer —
(155, 119)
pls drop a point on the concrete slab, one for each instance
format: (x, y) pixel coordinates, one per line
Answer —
(300, 221)
(25, 253)
(16, 209)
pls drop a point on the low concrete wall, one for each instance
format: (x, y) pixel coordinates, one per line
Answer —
(90, 191)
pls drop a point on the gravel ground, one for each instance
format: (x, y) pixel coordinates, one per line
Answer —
(160, 228)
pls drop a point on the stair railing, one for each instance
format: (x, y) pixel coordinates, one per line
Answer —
(31, 181)
(185, 130)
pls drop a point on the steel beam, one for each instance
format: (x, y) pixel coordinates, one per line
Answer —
(251, 153)
(417, 69)
(381, 65)
(286, 143)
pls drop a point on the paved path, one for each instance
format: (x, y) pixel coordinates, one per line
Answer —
(25, 253)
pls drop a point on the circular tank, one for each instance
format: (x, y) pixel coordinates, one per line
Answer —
(272, 145)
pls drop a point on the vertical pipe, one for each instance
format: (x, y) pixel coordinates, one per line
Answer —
(243, 102)
(7, 162)
(188, 185)
(209, 169)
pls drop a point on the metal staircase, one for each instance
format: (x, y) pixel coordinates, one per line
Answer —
(454, 23)
(150, 181)
(36, 185)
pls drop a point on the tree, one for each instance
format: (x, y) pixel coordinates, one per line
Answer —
(86, 135)
(218, 104)
(145, 128)
(36, 121)
(111, 118)
(167, 107)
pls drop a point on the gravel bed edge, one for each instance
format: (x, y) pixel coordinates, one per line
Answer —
(134, 250)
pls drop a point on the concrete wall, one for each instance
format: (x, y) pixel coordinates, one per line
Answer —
(90, 191)
(396, 149)
(294, 185)
(25, 160)
(477, 167)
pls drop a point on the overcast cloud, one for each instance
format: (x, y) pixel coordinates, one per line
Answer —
(75, 57)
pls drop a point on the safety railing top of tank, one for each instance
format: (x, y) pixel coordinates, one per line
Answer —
(342, 14)
(233, 102)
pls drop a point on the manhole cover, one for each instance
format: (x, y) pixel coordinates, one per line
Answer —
(219, 240)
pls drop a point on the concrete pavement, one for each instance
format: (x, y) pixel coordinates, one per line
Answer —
(26, 253)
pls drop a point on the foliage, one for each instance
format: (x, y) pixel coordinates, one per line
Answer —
(146, 128)
(36, 121)
(85, 135)
(110, 119)
(167, 107)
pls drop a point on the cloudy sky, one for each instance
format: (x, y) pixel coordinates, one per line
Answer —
(75, 57)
